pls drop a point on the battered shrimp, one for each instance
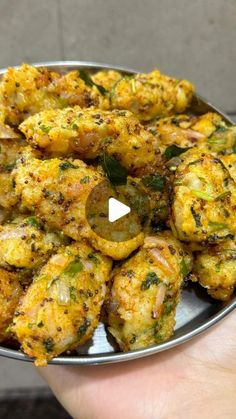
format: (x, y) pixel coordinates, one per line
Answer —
(57, 191)
(215, 269)
(10, 292)
(151, 95)
(62, 306)
(23, 244)
(204, 199)
(88, 133)
(145, 292)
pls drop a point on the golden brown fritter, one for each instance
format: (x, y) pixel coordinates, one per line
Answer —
(10, 292)
(57, 191)
(204, 199)
(145, 292)
(28, 90)
(62, 306)
(215, 269)
(89, 133)
(186, 130)
(151, 95)
(229, 161)
(106, 78)
(23, 244)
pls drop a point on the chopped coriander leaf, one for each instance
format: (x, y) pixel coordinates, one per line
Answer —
(45, 129)
(66, 165)
(48, 344)
(184, 268)
(85, 76)
(155, 182)
(151, 279)
(32, 221)
(83, 329)
(85, 179)
(74, 267)
(9, 167)
(116, 173)
(74, 126)
(174, 151)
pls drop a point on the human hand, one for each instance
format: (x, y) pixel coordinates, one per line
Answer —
(195, 380)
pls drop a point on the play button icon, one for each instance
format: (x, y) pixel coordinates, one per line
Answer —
(117, 213)
(116, 210)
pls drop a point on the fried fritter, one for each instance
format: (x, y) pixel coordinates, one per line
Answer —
(186, 130)
(145, 292)
(204, 199)
(10, 292)
(10, 152)
(229, 161)
(28, 90)
(89, 133)
(23, 244)
(61, 307)
(57, 191)
(151, 95)
(215, 269)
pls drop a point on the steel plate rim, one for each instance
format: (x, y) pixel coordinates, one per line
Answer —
(116, 357)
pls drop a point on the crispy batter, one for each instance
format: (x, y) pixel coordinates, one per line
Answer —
(215, 269)
(204, 199)
(10, 292)
(151, 95)
(24, 245)
(145, 292)
(61, 307)
(89, 133)
(57, 191)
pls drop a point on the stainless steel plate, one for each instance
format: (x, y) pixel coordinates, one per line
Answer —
(196, 311)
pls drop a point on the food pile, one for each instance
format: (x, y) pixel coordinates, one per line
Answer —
(60, 136)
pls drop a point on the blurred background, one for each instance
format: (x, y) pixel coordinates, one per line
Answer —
(184, 38)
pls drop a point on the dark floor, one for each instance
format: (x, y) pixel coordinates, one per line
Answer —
(30, 404)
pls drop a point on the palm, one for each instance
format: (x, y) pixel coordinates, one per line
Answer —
(197, 379)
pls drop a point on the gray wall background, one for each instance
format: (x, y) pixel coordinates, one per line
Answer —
(195, 39)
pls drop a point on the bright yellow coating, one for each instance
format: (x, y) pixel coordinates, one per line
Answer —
(145, 292)
(229, 161)
(204, 198)
(88, 133)
(62, 306)
(215, 269)
(151, 95)
(185, 130)
(106, 78)
(23, 245)
(10, 292)
(28, 90)
(59, 195)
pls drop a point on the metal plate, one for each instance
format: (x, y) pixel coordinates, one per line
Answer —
(196, 311)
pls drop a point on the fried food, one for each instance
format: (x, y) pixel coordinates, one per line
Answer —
(57, 191)
(23, 244)
(10, 292)
(215, 269)
(145, 292)
(151, 95)
(62, 306)
(204, 199)
(90, 133)
(28, 90)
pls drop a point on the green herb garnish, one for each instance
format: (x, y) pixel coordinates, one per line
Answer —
(85, 76)
(83, 329)
(197, 217)
(32, 221)
(48, 344)
(45, 129)
(151, 279)
(116, 173)
(156, 182)
(174, 151)
(85, 179)
(74, 267)
(67, 165)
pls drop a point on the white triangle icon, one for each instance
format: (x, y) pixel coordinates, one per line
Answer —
(116, 210)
